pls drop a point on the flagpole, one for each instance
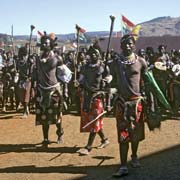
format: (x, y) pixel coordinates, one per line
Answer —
(12, 38)
(121, 27)
(12, 43)
(77, 51)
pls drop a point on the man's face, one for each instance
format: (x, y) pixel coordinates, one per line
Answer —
(71, 56)
(162, 50)
(94, 57)
(150, 52)
(128, 47)
(45, 45)
(142, 53)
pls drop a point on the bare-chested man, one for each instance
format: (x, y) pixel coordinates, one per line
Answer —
(128, 70)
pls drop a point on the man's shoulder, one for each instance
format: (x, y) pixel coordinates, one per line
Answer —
(143, 62)
(141, 59)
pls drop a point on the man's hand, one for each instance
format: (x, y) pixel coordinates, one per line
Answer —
(132, 125)
(108, 109)
(76, 83)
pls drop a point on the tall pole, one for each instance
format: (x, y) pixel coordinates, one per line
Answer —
(32, 27)
(108, 99)
(77, 51)
(110, 35)
(12, 43)
(12, 38)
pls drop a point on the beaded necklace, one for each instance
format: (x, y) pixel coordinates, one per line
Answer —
(128, 60)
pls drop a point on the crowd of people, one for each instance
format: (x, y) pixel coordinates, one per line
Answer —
(97, 83)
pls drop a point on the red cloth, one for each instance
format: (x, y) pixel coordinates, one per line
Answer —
(96, 109)
(125, 133)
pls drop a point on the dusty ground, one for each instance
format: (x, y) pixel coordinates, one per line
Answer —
(21, 158)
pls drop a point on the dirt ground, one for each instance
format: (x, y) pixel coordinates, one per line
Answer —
(22, 158)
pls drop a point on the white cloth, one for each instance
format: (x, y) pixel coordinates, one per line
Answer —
(64, 74)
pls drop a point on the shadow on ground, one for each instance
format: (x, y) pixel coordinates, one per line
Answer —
(162, 165)
(21, 148)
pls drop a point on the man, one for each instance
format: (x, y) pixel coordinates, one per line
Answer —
(69, 62)
(24, 82)
(8, 72)
(128, 71)
(150, 57)
(161, 75)
(49, 100)
(92, 80)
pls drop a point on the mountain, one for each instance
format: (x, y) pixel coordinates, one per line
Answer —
(161, 26)
(66, 37)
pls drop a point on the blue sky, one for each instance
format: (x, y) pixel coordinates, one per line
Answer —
(60, 16)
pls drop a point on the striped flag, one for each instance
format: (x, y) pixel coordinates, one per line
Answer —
(126, 25)
(38, 36)
(136, 31)
(82, 31)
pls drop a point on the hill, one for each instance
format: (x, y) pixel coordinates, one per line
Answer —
(159, 26)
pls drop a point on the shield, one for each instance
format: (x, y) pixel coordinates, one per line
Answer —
(176, 69)
(160, 66)
(63, 73)
(154, 88)
(16, 78)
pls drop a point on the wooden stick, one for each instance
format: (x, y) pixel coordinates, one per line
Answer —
(104, 112)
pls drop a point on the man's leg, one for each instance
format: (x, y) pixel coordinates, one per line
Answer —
(135, 162)
(123, 148)
(88, 147)
(104, 140)
(123, 170)
(45, 129)
(25, 110)
(59, 132)
(90, 141)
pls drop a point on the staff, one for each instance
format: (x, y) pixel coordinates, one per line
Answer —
(110, 35)
(92, 121)
(77, 51)
(16, 77)
(108, 99)
(29, 51)
(12, 43)
(30, 39)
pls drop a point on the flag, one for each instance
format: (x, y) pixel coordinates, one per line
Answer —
(126, 25)
(156, 91)
(38, 36)
(40, 33)
(81, 31)
(136, 31)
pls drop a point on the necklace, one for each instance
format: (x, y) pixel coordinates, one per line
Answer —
(129, 59)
